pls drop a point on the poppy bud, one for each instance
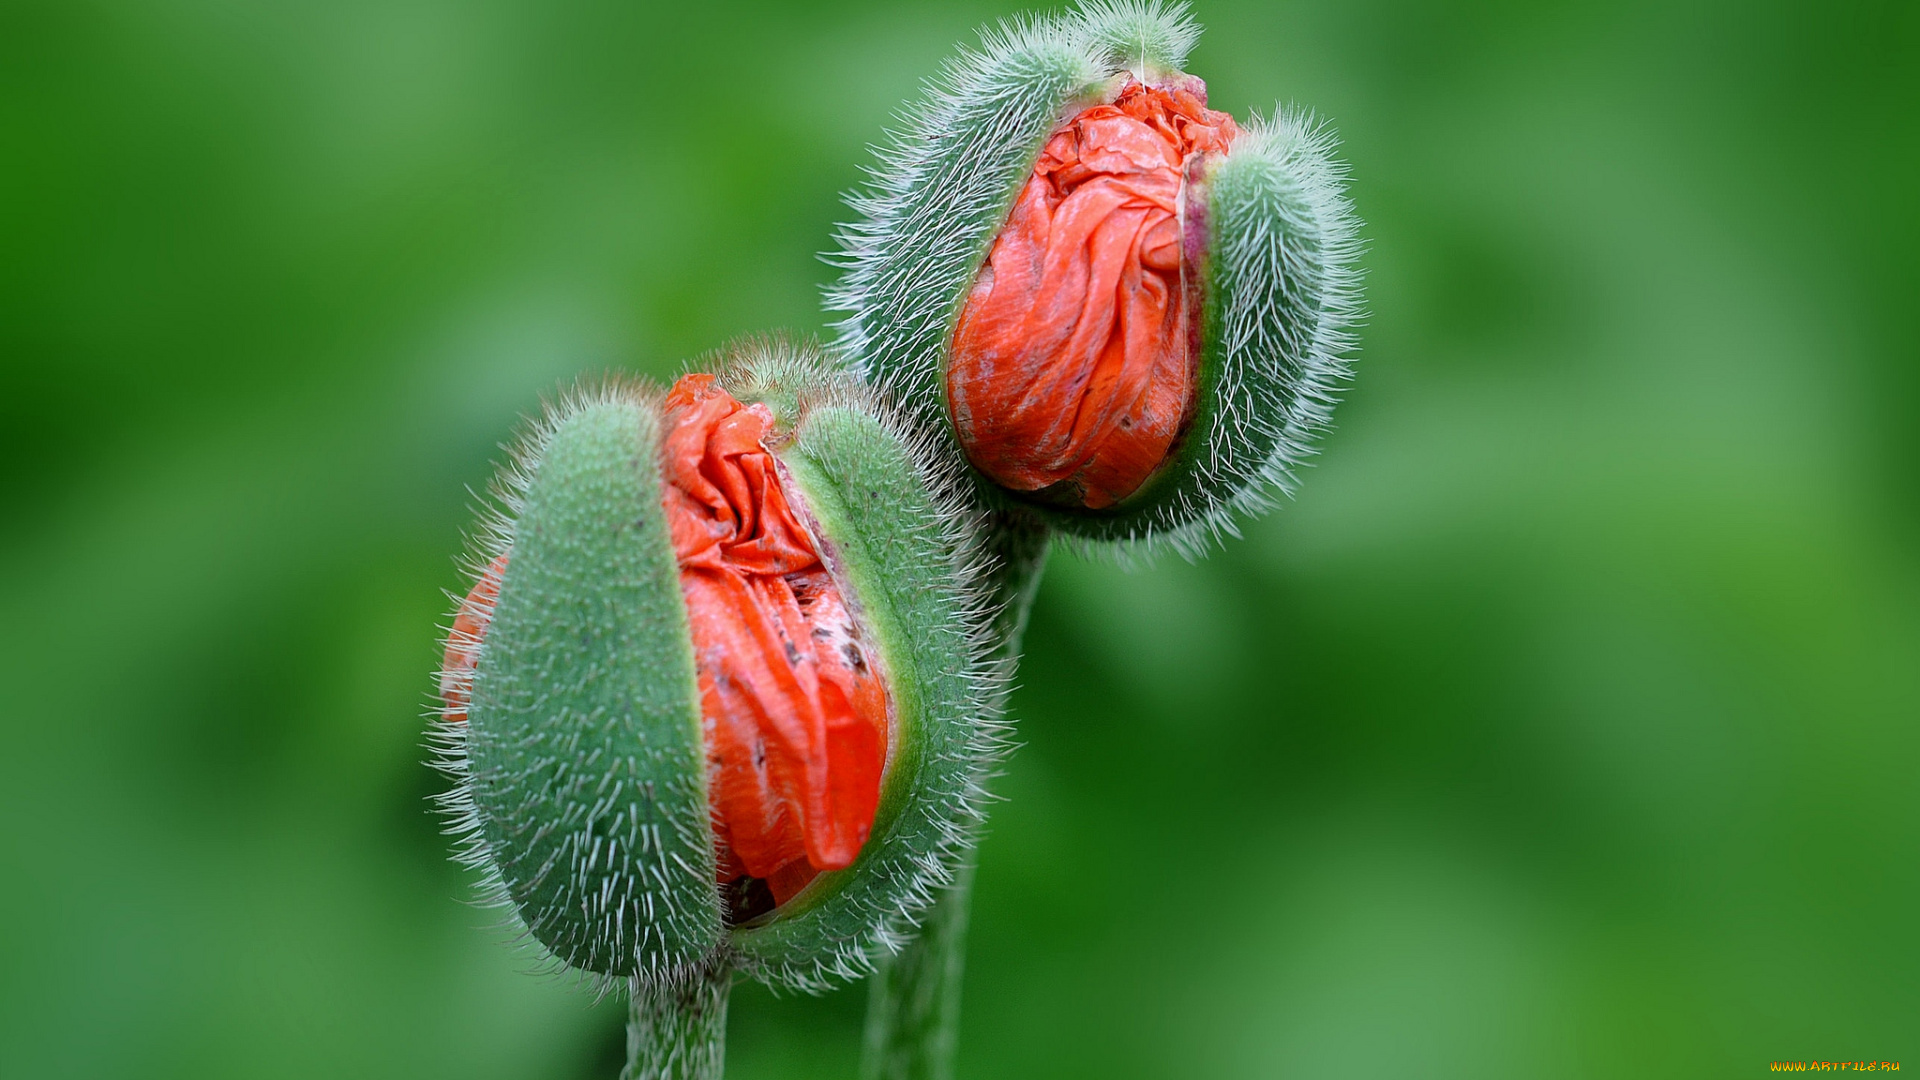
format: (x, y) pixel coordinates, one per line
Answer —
(1127, 311)
(721, 697)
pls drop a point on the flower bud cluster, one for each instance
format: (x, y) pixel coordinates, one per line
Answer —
(730, 677)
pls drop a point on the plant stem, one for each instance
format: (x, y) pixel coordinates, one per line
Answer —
(1018, 542)
(913, 1007)
(679, 1032)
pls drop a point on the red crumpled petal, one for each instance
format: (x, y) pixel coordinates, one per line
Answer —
(1072, 364)
(793, 711)
(463, 644)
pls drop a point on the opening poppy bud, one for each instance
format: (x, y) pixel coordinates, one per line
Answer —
(1128, 311)
(719, 698)
(1072, 370)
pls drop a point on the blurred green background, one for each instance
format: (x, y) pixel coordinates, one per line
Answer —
(1563, 726)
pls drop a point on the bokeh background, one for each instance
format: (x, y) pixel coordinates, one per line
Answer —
(1564, 725)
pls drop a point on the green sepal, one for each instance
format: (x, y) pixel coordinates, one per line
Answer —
(1147, 39)
(585, 777)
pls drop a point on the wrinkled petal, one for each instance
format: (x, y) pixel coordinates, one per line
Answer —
(1071, 369)
(794, 711)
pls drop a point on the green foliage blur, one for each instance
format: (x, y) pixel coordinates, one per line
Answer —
(1564, 725)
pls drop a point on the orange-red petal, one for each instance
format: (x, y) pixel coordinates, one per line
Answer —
(463, 644)
(794, 708)
(1072, 369)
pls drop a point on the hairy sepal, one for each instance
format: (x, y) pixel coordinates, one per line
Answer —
(581, 776)
(1281, 294)
(940, 192)
(904, 550)
(1146, 39)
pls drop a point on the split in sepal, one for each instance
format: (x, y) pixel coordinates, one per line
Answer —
(722, 697)
(1129, 313)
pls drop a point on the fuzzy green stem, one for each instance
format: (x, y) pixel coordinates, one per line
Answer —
(679, 1032)
(1018, 542)
(913, 1008)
